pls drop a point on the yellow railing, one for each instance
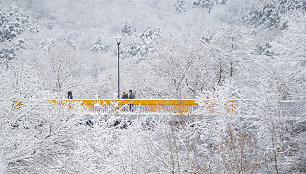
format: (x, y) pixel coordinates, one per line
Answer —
(149, 105)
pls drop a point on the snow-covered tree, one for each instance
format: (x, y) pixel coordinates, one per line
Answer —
(13, 22)
(99, 46)
(180, 6)
(128, 29)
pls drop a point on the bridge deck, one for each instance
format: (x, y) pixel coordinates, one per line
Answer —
(148, 105)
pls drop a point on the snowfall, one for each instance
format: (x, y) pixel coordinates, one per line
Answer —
(210, 51)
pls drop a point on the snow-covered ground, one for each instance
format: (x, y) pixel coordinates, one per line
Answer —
(175, 49)
(2, 167)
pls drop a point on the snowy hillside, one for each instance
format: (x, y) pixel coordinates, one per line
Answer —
(170, 49)
(232, 38)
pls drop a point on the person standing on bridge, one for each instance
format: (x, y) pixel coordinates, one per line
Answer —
(70, 95)
(125, 95)
(131, 96)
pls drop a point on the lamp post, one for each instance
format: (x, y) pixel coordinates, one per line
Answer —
(118, 39)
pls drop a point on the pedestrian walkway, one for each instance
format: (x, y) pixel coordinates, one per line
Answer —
(150, 105)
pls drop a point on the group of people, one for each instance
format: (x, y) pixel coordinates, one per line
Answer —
(127, 96)
(124, 96)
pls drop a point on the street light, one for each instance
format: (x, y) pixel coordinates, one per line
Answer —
(118, 39)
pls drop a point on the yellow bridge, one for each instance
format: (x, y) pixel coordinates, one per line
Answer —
(150, 105)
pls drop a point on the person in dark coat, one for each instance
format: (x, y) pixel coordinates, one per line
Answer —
(70, 95)
(125, 95)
